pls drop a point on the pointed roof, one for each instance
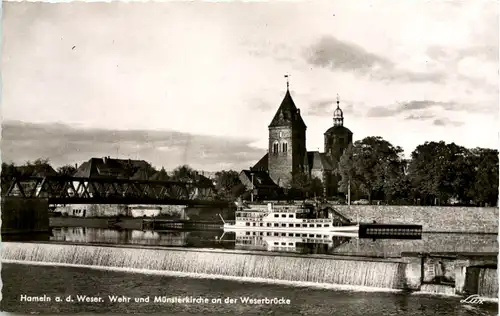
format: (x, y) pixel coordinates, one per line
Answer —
(262, 164)
(318, 161)
(287, 113)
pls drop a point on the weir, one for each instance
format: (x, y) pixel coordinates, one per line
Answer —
(385, 274)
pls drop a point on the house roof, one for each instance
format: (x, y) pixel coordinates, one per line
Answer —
(260, 178)
(338, 130)
(318, 161)
(262, 164)
(105, 167)
(287, 113)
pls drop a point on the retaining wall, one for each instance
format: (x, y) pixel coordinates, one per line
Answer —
(432, 218)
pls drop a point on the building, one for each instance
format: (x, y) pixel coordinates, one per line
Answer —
(288, 156)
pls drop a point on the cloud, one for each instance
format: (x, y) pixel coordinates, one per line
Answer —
(64, 144)
(325, 107)
(329, 52)
(393, 110)
(419, 117)
(446, 122)
(332, 53)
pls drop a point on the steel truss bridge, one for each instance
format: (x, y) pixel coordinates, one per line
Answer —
(75, 190)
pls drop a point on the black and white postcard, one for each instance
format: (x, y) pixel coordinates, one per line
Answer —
(319, 157)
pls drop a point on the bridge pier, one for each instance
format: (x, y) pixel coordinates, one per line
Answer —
(24, 217)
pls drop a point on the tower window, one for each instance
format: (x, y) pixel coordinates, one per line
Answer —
(285, 147)
(275, 148)
(281, 134)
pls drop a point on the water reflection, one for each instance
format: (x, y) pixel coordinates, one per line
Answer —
(321, 244)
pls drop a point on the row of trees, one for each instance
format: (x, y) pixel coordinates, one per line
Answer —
(437, 173)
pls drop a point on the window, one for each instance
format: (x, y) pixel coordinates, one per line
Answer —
(283, 225)
(290, 244)
(297, 225)
(248, 224)
(268, 224)
(276, 215)
(276, 224)
(276, 243)
(290, 234)
(284, 147)
(283, 243)
(281, 134)
(261, 224)
(283, 215)
(253, 224)
(283, 234)
(290, 215)
(319, 225)
(275, 234)
(268, 234)
(327, 225)
(311, 225)
(248, 233)
(275, 147)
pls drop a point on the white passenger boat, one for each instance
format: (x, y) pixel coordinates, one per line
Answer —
(286, 218)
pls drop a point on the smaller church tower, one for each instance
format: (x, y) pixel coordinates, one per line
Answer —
(337, 139)
(287, 142)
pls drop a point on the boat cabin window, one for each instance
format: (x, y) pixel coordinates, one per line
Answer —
(318, 236)
(283, 215)
(253, 233)
(283, 234)
(276, 215)
(283, 243)
(276, 243)
(304, 235)
(261, 224)
(290, 244)
(319, 225)
(327, 225)
(304, 225)
(297, 235)
(268, 224)
(290, 234)
(283, 225)
(268, 234)
(248, 233)
(248, 224)
(275, 234)
(276, 224)
(290, 215)
(297, 225)
(311, 235)
(238, 213)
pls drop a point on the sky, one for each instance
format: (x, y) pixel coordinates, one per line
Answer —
(198, 82)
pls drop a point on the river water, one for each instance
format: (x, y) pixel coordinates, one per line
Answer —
(35, 280)
(430, 242)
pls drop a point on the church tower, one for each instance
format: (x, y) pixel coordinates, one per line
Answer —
(287, 142)
(337, 139)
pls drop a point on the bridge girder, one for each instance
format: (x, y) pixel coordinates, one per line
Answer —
(77, 190)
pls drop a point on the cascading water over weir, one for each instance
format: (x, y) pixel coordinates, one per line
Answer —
(382, 274)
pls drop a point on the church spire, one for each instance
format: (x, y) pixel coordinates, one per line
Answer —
(338, 115)
(287, 77)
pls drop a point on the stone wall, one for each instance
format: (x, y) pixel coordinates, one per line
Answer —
(432, 218)
(24, 216)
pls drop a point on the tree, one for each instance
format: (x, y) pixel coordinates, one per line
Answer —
(184, 173)
(374, 166)
(440, 171)
(226, 184)
(161, 175)
(484, 187)
(306, 185)
(67, 170)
